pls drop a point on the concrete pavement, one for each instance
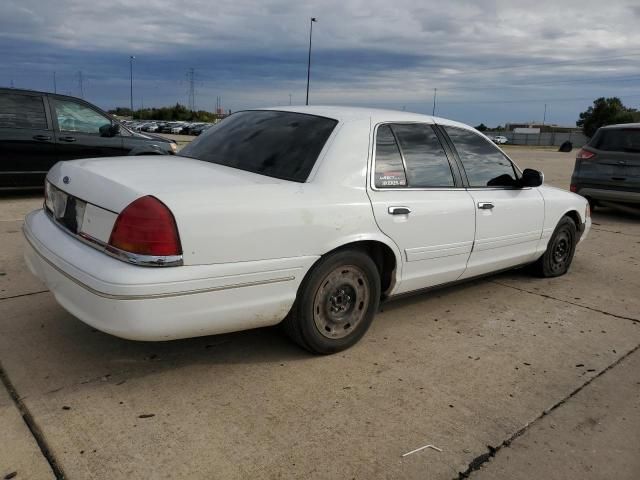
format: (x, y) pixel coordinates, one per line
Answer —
(465, 368)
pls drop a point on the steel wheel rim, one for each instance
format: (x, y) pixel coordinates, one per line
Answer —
(561, 250)
(340, 303)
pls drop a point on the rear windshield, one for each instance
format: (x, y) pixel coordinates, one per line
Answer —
(277, 144)
(617, 140)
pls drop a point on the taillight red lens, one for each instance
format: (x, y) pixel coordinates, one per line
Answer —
(146, 227)
(584, 154)
(573, 188)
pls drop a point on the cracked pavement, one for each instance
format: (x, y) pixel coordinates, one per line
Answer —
(510, 376)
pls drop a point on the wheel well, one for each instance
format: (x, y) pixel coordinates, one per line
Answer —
(382, 256)
(575, 216)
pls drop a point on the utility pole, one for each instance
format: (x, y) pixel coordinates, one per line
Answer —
(313, 19)
(12, 83)
(55, 86)
(131, 58)
(435, 93)
(80, 84)
(544, 118)
(289, 99)
(192, 89)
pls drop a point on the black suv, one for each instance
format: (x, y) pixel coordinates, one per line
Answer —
(607, 169)
(38, 129)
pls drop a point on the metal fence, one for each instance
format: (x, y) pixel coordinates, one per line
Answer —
(544, 139)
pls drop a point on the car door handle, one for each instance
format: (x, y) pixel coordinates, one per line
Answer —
(485, 205)
(399, 210)
(620, 179)
(42, 137)
(67, 139)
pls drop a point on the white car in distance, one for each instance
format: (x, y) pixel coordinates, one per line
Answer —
(500, 139)
(308, 216)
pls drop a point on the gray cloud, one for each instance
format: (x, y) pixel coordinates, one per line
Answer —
(366, 51)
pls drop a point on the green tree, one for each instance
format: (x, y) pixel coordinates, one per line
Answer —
(605, 111)
(482, 128)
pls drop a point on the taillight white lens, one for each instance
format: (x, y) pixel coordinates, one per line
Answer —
(584, 154)
(146, 227)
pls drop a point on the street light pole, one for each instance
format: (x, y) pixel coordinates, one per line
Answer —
(435, 94)
(313, 19)
(131, 57)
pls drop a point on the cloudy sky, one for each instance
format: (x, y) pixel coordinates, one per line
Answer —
(491, 61)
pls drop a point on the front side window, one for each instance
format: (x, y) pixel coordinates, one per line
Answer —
(426, 160)
(389, 170)
(75, 117)
(283, 145)
(22, 111)
(484, 164)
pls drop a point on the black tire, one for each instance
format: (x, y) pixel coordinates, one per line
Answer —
(336, 303)
(592, 203)
(560, 250)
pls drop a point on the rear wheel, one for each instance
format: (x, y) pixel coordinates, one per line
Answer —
(560, 249)
(336, 303)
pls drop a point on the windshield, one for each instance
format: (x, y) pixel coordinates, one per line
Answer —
(283, 145)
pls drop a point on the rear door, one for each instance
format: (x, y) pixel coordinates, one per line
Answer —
(80, 131)
(27, 146)
(509, 219)
(420, 203)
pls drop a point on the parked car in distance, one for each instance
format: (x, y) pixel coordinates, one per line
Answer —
(308, 216)
(500, 140)
(38, 129)
(607, 169)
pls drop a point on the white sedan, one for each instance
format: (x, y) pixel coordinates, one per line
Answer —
(308, 216)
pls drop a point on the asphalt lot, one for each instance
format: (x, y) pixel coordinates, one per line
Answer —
(518, 376)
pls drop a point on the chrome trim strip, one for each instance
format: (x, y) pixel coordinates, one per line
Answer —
(152, 295)
(128, 257)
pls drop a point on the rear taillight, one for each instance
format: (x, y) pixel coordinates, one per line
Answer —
(146, 227)
(573, 188)
(584, 154)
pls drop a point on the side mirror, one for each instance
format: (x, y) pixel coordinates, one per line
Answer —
(531, 178)
(109, 129)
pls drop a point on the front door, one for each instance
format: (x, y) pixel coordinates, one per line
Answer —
(82, 132)
(419, 202)
(509, 219)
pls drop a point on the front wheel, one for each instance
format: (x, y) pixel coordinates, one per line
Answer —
(560, 249)
(336, 303)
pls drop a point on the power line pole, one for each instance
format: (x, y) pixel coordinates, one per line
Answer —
(80, 83)
(289, 99)
(544, 118)
(55, 86)
(435, 93)
(313, 19)
(192, 89)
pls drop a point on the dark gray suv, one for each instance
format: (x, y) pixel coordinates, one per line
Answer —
(607, 169)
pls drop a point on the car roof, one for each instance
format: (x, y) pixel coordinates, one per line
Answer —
(343, 114)
(621, 125)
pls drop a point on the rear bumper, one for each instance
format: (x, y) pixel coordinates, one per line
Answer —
(609, 195)
(142, 303)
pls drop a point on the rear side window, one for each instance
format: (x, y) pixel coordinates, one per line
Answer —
(426, 161)
(617, 140)
(389, 170)
(484, 164)
(283, 145)
(22, 111)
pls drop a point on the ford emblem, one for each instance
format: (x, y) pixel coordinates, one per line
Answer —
(66, 180)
